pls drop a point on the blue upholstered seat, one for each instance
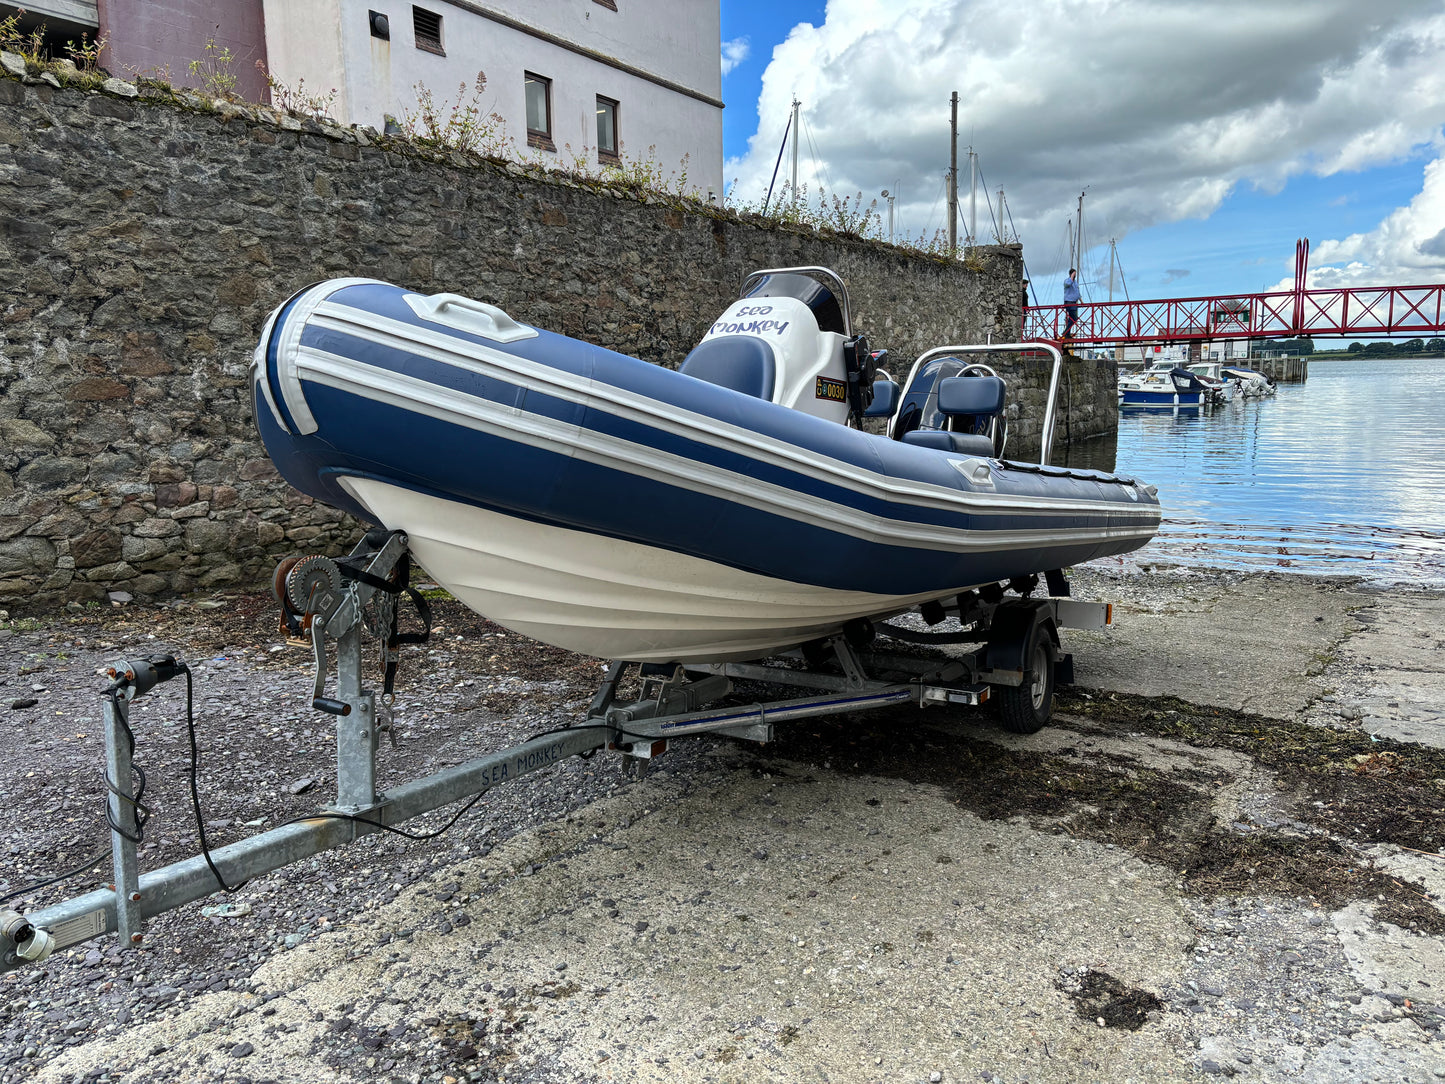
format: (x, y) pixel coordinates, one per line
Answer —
(963, 443)
(971, 395)
(739, 362)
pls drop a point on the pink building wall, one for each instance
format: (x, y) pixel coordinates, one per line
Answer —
(149, 36)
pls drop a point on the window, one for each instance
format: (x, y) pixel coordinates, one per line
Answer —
(539, 112)
(427, 26)
(610, 5)
(606, 129)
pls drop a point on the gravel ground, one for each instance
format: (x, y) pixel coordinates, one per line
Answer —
(1143, 891)
(266, 757)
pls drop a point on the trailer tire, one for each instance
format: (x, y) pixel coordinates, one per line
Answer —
(1025, 709)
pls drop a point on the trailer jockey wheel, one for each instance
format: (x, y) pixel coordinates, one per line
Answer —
(1024, 709)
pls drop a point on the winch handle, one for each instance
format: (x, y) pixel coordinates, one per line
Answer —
(466, 314)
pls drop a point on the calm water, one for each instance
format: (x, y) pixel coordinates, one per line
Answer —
(1344, 474)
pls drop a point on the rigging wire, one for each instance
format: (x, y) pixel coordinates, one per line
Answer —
(818, 163)
(987, 202)
(942, 184)
(1028, 276)
(1084, 282)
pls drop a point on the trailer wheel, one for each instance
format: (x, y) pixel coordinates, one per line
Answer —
(1024, 709)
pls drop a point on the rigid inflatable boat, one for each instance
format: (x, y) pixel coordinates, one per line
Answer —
(728, 510)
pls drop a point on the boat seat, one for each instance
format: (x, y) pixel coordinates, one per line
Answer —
(971, 395)
(978, 444)
(739, 362)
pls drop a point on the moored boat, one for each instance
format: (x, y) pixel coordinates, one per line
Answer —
(1210, 374)
(1174, 388)
(617, 508)
(1248, 383)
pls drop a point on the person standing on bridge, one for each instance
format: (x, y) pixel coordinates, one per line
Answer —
(1071, 301)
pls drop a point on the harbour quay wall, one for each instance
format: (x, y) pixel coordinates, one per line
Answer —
(146, 233)
(1283, 370)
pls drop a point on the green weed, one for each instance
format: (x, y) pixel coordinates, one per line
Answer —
(213, 71)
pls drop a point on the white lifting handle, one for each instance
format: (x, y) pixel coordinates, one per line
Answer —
(464, 314)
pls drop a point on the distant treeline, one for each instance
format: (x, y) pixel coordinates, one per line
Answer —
(1305, 347)
(1389, 349)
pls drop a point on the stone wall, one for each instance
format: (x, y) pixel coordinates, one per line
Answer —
(145, 235)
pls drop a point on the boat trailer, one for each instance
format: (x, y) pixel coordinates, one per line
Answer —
(1015, 663)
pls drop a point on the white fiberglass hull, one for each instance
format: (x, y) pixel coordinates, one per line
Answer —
(607, 597)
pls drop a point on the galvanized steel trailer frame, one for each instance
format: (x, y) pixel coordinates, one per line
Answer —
(673, 704)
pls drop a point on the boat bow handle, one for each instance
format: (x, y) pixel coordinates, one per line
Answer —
(465, 314)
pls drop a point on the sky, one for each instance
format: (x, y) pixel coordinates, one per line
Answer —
(1207, 137)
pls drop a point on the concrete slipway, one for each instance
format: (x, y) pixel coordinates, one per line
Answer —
(907, 896)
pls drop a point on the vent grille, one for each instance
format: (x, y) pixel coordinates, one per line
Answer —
(427, 25)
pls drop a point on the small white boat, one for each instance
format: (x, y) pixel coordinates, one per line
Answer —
(1248, 383)
(1210, 374)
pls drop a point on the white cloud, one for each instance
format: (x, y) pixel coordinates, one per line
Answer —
(734, 53)
(1160, 108)
(1407, 247)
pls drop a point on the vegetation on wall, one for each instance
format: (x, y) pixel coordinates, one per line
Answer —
(465, 125)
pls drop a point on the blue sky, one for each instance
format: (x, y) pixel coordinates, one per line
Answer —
(1208, 137)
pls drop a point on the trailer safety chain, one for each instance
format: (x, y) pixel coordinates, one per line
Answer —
(395, 585)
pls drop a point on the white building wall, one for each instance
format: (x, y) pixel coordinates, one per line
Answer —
(1176, 353)
(303, 48)
(677, 41)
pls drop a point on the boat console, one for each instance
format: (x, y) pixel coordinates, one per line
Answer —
(954, 405)
(788, 339)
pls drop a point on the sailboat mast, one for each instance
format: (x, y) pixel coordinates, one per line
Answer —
(1112, 253)
(953, 180)
(795, 152)
(972, 196)
(1079, 243)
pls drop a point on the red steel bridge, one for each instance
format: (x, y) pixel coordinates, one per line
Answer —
(1374, 311)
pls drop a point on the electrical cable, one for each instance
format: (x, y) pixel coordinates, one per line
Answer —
(142, 811)
(200, 820)
(195, 794)
(357, 819)
(99, 857)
